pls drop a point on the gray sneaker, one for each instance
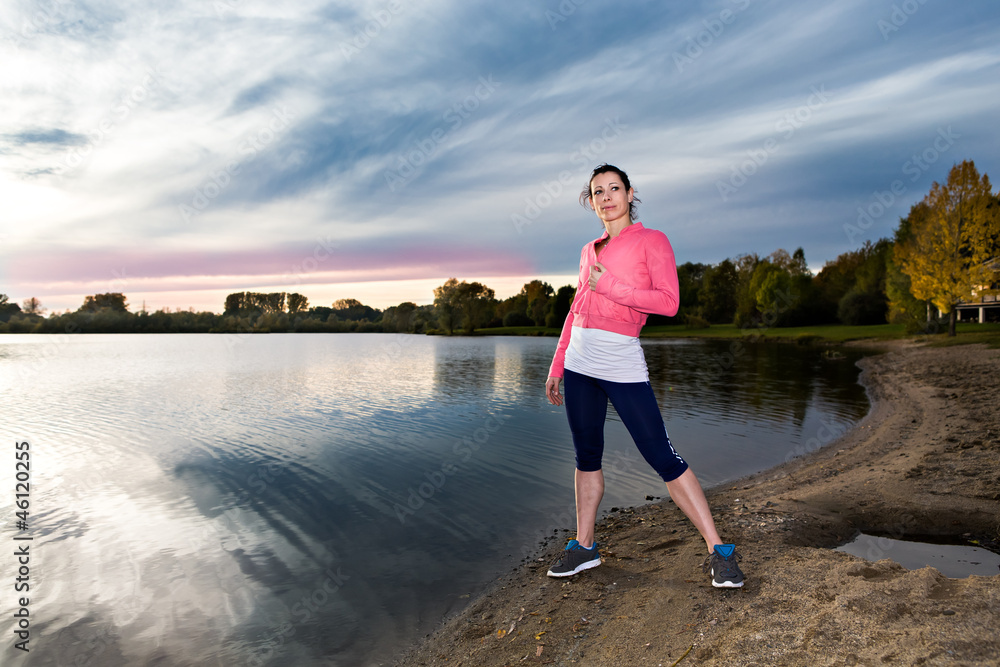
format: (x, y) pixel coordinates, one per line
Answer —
(575, 559)
(723, 565)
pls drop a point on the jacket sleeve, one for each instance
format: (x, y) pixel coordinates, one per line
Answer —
(663, 295)
(556, 368)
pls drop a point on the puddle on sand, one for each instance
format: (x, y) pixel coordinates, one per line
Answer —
(956, 562)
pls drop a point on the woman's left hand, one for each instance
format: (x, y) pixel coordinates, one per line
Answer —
(595, 274)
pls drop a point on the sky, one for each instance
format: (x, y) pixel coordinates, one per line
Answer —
(179, 151)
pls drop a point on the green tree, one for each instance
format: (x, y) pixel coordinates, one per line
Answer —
(460, 303)
(273, 302)
(234, 303)
(354, 310)
(835, 280)
(445, 306)
(785, 297)
(423, 318)
(516, 318)
(320, 313)
(528, 307)
(474, 302)
(775, 291)
(771, 286)
(537, 295)
(798, 266)
(559, 306)
(255, 303)
(399, 318)
(32, 306)
(513, 311)
(746, 299)
(114, 301)
(690, 281)
(718, 292)
(7, 309)
(794, 264)
(865, 301)
(297, 303)
(947, 256)
(904, 308)
(851, 288)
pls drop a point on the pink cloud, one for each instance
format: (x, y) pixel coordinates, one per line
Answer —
(304, 264)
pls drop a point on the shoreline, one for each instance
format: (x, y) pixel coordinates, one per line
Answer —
(925, 461)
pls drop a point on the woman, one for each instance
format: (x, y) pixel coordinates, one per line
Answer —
(626, 274)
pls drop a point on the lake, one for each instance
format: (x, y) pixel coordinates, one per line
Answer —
(328, 499)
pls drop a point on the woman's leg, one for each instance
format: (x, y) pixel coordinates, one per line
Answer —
(589, 491)
(636, 405)
(586, 410)
(686, 492)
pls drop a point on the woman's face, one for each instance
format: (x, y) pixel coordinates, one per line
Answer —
(608, 197)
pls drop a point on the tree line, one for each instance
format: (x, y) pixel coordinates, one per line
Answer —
(458, 307)
(945, 251)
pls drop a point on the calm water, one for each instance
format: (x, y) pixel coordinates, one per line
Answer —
(326, 499)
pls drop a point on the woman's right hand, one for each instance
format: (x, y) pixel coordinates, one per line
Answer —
(552, 390)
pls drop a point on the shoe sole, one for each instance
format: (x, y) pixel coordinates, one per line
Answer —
(726, 584)
(579, 568)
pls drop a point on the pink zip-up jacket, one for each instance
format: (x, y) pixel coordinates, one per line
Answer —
(640, 278)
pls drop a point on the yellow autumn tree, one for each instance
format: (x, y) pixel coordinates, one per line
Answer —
(947, 254)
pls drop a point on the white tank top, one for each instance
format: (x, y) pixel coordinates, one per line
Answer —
(606, 355)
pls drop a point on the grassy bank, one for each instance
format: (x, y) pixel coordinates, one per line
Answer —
(828, 333)
(518, 331)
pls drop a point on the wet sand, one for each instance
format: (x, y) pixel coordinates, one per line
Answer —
(924, 462)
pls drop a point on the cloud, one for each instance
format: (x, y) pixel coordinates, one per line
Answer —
(45, 136)
(325, 261)
(229, 136)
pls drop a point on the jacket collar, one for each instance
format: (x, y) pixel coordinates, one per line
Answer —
(628, 230)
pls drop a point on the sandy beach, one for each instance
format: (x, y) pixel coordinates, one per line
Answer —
(924, 462)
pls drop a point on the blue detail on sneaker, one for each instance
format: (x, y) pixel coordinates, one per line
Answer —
(725, 550)
(575, 559)
(723, 564)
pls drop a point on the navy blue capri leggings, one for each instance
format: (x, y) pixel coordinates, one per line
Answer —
(587, 407)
